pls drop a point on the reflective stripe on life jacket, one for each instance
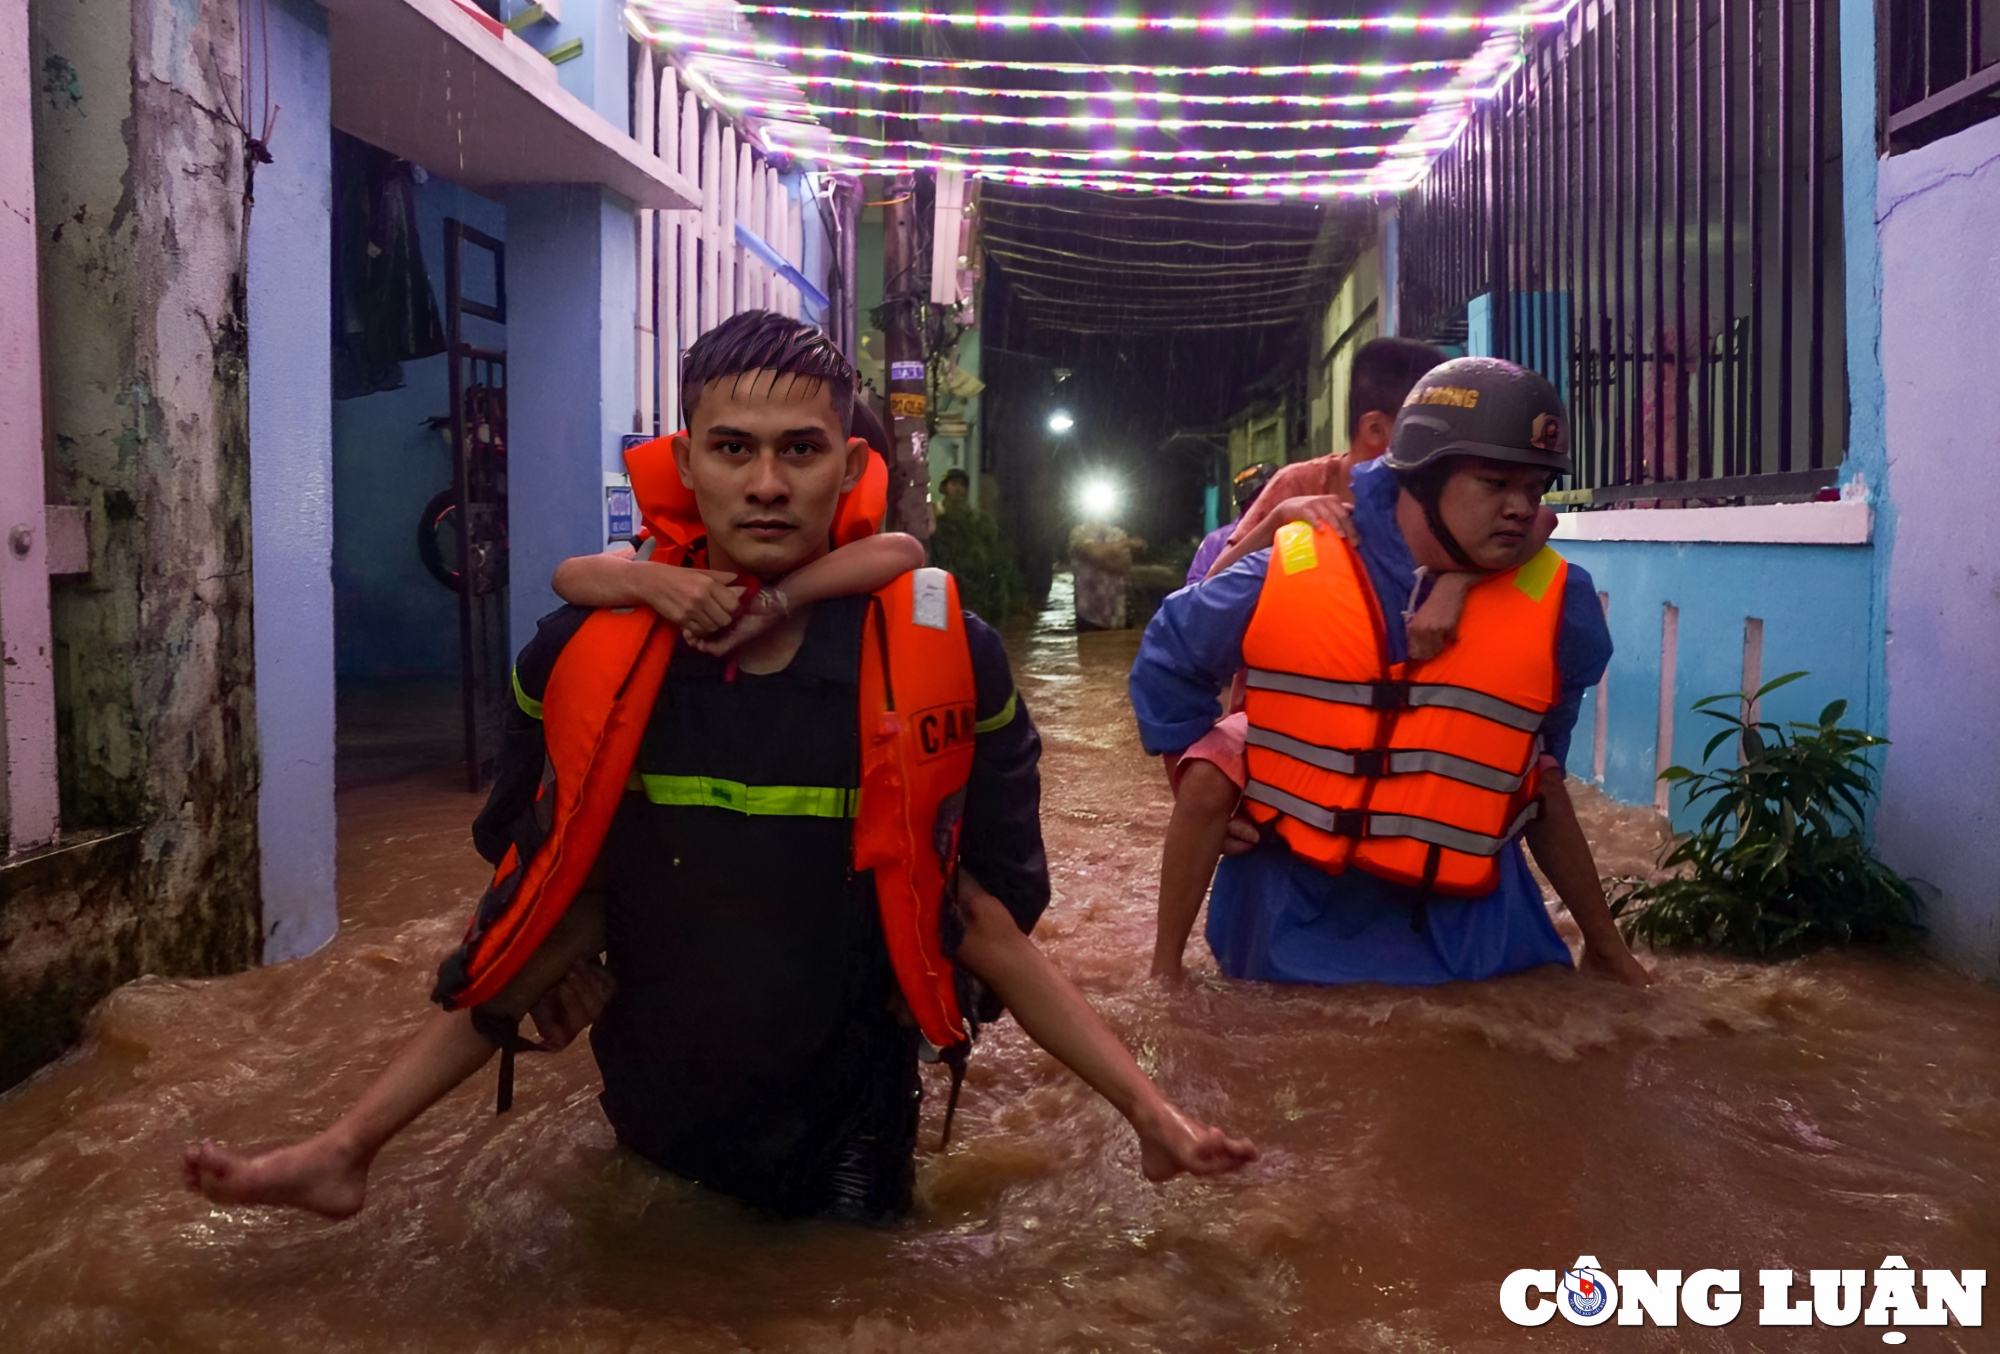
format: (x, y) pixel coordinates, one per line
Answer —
(1418, 773)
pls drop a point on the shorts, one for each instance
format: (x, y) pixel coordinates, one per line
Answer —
(1223, 747)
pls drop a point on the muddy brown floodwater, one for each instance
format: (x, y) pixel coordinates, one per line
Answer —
(1418, 1145)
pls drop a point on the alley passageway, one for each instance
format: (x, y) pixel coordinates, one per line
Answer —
(1418, 1145)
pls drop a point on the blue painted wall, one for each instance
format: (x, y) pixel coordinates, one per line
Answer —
(600, 76)
(1940, 267)
(571, 370)
(1812, 600)
(291, 491)
(394, 619)
(814, 249)
(1866, 470)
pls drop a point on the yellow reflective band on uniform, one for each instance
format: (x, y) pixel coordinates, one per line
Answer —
(1534, 577)
(531, 707)
(771, 801)
(1296, 550)
(993, 723)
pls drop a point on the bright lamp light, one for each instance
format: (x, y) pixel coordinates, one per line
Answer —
(1060, 421)
(1098, 498)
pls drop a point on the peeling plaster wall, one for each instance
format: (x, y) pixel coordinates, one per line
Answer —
(139, 188)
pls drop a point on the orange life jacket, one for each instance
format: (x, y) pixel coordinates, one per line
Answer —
(1417, 772)
(916, 715)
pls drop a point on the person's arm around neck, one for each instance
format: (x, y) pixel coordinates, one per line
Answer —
(860, 567)
(854, 570)
(697, 600)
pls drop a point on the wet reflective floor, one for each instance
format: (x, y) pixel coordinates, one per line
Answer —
(1418, 1145)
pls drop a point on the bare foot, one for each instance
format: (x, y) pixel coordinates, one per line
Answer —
(1170, 1142)
(1607, 961)
(318, 1175)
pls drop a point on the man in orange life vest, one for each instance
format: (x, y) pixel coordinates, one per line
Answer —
(803, 863)
(1391, 797)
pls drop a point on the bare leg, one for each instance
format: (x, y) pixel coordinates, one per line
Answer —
(1061, 1020)
(328, 1172)
(1203, 803)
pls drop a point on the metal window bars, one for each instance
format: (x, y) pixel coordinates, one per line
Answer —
(1647, 213)
(1940, 68)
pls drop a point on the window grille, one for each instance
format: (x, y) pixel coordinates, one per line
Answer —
(1647, 213)
(1940, 64)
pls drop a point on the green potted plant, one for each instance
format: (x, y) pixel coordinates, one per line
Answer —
(1779, 863)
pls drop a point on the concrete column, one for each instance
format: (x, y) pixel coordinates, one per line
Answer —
(291, 489)
(572, 274)
(28, 816)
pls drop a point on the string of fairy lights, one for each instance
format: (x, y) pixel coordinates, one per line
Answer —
(1514, 17)
(670, 29)
(1408, 110)
(1358, 108)
(1174, 97)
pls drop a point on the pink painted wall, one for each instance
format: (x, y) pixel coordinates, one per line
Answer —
(27, 691)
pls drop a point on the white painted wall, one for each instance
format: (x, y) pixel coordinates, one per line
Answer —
(1940, 816)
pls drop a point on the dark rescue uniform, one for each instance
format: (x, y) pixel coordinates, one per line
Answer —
(756, 1042)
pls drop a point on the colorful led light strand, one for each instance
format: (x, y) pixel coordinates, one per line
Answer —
(908, 164)
(1120, 154)
(1125, 96)
(1078, 121)
(680, 39)
(1256, 190)
(1290, 184)
(1533, 16)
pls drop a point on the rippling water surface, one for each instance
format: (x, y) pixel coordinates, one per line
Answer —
(1418, 1145)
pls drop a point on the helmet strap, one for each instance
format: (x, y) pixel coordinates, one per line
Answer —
(1434, 519)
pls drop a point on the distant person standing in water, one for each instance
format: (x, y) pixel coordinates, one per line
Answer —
(1100, 559)
(1391, 793)
(968, 544)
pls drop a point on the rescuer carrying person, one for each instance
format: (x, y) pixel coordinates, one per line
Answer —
(806, 857)
(1391, 797)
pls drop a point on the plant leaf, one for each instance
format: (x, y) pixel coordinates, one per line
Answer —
(1777, 682)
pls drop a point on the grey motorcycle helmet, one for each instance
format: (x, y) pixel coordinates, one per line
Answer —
(1474, 406)
(1481, 406)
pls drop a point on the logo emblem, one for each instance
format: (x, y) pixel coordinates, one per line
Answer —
(1546, 433)
(1588, 1295)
